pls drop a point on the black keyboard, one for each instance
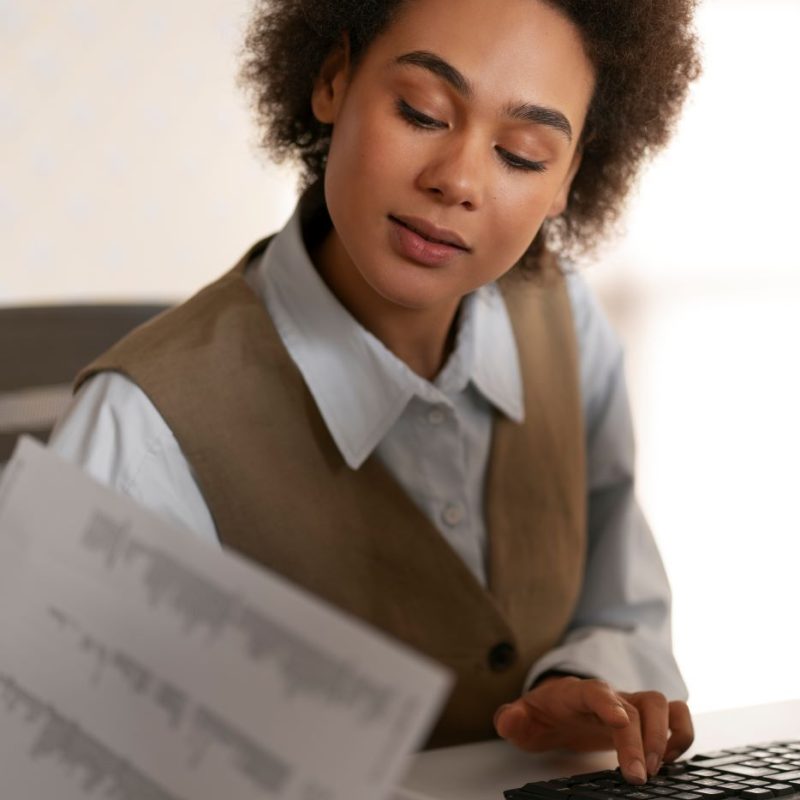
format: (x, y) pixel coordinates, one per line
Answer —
(758, 772)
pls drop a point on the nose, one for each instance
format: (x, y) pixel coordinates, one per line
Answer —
(454, 172)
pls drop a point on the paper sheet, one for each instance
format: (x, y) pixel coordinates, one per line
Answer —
(138, 662)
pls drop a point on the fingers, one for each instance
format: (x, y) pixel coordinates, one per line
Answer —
(586, 714)
(666, 731)
(512, 721)
(575, 697)
(639, 724)
(630, 748)
(564, 712)
(598, 698)
(680, 723)
(654, 714)
(622, 719)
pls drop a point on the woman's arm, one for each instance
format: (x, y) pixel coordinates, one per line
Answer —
(114, 433)
(620, 632)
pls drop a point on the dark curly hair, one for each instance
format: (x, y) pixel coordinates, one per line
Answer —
(645, 54)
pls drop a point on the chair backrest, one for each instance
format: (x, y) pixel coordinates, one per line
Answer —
(41, 350)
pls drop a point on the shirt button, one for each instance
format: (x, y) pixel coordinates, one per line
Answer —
(436, 416)
(453, 514)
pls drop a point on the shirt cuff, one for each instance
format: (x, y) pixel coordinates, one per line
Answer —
(627, 660)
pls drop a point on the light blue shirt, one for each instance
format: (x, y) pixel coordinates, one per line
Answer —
(434, 438)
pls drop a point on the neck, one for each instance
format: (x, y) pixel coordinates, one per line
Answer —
(421, 338)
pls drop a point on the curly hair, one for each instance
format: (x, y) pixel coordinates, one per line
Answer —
(645, 54)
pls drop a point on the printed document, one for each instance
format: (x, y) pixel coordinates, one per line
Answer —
(138, 662)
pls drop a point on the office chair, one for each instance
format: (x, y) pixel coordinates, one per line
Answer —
(41, 350)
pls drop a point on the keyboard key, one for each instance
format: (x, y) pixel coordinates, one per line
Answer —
(546, 792)
(781, 789)
(769, 771)
(674, 769)
(713, 755)
(788, 777)
(750, 772)
(608, 774)
(588, 794)
(709, 782)
(715, 762)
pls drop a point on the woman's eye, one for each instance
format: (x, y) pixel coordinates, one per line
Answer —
(515, 162)
(510, 160)
(417, 118)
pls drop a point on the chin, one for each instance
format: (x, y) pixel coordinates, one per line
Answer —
(415, 288)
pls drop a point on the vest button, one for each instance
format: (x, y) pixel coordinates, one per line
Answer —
(502, 656)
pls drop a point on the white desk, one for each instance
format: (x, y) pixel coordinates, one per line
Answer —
(481, 771)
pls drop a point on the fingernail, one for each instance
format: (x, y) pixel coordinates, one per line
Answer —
(620, 711)
(636, 770)
(500, 711)
(652, 763)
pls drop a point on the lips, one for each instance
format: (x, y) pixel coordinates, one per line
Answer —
(423, 244)
(431, 233)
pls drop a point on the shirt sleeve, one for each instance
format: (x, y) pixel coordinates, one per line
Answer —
(620, 630)
(114, 433)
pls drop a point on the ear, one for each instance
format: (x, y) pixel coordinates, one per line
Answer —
(331, 83)
(559, 204)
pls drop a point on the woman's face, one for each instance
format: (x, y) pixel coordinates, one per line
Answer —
(453, 139)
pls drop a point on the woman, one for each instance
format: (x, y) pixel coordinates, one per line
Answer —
(401, 402)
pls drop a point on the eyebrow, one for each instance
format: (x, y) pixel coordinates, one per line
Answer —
(526, 112)
(541, 115)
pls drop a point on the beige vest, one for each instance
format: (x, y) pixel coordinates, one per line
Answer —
(280, 492)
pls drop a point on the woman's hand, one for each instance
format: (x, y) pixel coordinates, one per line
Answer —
(586, 714)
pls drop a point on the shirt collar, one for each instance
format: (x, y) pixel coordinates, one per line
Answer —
(359, 386)
(496, 370)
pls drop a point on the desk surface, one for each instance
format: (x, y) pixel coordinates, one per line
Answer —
(481, 771)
